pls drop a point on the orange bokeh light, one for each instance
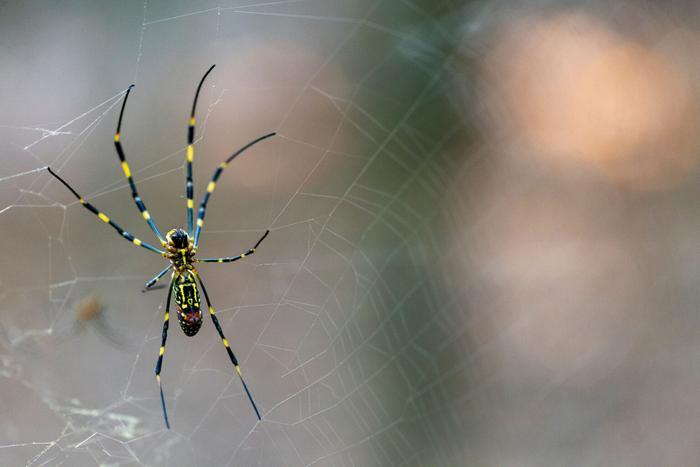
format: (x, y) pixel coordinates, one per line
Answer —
(577, 92)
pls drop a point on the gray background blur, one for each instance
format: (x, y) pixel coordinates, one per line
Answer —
(484, 242)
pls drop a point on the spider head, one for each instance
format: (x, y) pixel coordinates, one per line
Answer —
(178, 238)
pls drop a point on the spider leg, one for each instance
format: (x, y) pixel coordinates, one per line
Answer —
(106, 219)
(189, 186)
(230, 259)
(166, 324)
(127, 173)
(231, 355)
(212, 184)
(156, 278)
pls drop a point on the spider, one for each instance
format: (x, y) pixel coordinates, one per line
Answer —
(179, 247)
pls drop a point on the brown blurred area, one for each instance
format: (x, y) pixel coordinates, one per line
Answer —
(580, 91)
(577, 245)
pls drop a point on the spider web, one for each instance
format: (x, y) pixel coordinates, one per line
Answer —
(434, 291)
(341, 321)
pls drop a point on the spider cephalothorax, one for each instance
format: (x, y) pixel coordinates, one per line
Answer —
(179, 249)
(179, 245)
(178, 238)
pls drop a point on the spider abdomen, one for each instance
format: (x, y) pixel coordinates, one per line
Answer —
(186, 295)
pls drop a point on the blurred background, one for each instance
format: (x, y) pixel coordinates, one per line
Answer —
(484, 248)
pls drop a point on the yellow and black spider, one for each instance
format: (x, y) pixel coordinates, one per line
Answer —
(179, 247)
